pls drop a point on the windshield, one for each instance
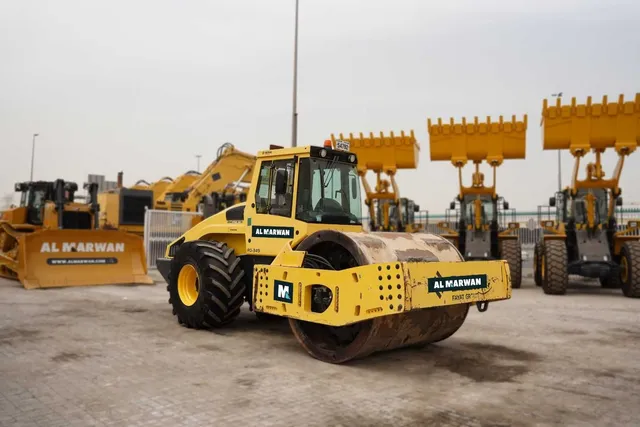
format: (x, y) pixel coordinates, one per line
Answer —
(601, 205)
(328, 192)
(36, 197)
(468, 209)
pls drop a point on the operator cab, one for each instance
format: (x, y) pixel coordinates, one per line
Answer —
(487, 206)
(33, 198)
(328, 189)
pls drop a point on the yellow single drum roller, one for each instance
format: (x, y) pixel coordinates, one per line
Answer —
(297, 249)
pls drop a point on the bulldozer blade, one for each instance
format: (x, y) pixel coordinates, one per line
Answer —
(61, 258)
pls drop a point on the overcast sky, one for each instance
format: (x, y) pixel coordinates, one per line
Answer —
(143, 86)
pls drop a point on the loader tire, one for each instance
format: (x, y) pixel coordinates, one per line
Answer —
(512, 253)
(554, 268)
(537, 258)
(205, 286)
(630, 269)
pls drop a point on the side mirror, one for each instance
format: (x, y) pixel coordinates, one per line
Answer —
(354, 187)
(552, 201)
(416, 208)
(505, 205)
(452, 205)
(281, 181)
(619, 201)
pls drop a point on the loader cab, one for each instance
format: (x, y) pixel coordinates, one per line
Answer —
(483, 205)
(403, 214)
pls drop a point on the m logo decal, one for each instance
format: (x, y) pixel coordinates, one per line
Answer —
(283, 291)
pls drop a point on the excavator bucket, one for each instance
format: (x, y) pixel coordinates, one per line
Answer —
(61, 258)
(581, 127)
(477, 141)
(383, 153)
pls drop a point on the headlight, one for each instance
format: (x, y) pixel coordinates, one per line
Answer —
(323, 153)
(352, 158)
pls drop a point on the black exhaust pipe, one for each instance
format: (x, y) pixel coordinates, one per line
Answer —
(59, 189)
(92, 190)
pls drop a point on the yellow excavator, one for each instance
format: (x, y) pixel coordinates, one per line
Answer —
(385, 155)
(222, 184)
(158, 187)
(52, 241)
(171, 197)
(585, 238)
(479, 234)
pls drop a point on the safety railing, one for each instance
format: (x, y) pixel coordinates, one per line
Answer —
(161, 228)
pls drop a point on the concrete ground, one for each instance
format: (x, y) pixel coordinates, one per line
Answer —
(109, 355)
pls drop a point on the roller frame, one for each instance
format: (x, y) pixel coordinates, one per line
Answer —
(357, 293)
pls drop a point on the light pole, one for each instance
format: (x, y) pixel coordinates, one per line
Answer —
(559, 95)
(198, 157)
(294, 124)
(33, 150)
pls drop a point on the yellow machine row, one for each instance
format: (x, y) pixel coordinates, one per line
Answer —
(52, 241)
(297, 249)
(585, 238)
(479, 233)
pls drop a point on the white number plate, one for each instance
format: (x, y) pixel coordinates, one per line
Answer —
(342, 145)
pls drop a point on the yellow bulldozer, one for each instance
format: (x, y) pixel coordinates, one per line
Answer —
(52, 241)
(384, 155)
(297, 249)
(124, 208)
(585, 238)
(479, 233)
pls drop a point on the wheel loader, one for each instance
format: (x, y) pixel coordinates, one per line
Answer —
(52, 241)
(384, 155)
(297, 249)
(585, 238)
(478, 232)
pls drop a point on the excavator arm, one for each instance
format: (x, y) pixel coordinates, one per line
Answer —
(229, 171)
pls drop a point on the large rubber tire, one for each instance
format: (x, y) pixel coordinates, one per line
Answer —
(220, 288)
(537, 258)
(554, 265)
(630, 269)
(512, 253)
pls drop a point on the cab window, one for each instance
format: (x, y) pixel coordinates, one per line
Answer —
(274, 195)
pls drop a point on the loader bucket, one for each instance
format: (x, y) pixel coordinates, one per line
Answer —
(493, 141)
(383, 153)
(581, 127)
(61, 258)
